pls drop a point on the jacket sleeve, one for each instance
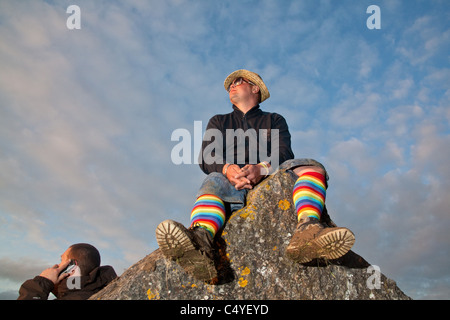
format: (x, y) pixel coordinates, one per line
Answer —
(37, 288)
(285, 151)
(211, 157)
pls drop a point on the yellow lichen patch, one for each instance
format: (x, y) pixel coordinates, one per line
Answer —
(234, 214)
(242, 282)
(193, 285)
(151, 295)
(284, 204)
(274, 248)
(246, 271)
(248, 212)
(244, 214)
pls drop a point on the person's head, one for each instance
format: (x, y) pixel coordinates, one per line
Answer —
(87, 257)
(244, 84)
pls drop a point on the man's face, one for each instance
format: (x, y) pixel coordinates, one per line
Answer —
(65, 256)
(240, 92)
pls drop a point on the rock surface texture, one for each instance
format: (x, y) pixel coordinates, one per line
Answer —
(252, 264)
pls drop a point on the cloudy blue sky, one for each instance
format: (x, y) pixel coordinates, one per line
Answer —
(86, 118)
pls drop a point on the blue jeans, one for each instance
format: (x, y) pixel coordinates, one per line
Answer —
(217, 184)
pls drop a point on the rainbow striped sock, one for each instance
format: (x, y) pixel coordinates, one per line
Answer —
(309, 195)
(208, 213)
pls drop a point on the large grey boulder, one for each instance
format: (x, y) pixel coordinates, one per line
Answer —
(252, 263)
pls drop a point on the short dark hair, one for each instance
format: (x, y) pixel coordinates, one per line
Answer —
(87, 257)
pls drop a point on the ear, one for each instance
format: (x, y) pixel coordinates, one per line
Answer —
(255, 89)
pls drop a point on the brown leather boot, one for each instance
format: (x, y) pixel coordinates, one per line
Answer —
(312, 240)
(191, 248)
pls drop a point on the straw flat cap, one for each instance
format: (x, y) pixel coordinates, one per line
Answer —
(251, 76)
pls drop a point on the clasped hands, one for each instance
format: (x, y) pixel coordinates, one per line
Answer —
(245, 177)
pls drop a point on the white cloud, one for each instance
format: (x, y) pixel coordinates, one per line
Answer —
(402, 118)
(423, 40)
(355, 110)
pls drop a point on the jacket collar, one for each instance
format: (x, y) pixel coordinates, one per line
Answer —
(97, 278)
(252, 112)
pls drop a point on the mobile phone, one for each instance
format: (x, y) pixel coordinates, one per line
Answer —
(72, 264)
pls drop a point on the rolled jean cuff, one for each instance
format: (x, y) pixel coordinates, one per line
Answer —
(217, 184)
(294, 163)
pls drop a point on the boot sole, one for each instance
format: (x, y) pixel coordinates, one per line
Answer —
(176, 245)
(331, 245)
(335, 243)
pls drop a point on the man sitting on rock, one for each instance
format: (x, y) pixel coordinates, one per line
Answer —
(236, 165)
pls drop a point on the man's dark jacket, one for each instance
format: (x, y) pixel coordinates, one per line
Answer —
(39, 288)
(254, 119)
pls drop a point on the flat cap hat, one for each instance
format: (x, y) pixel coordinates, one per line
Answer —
(252, 77)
